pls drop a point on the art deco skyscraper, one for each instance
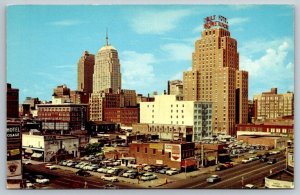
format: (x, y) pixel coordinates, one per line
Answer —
(107, 69)
(106, 79)
(215, 76)
(85, 68)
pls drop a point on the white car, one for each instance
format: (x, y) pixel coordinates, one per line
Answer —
(112, 170)
(110, 178)
(246, 160)
(250, 186)
(171, 172)
(253, 158)
(148, 177)
(51, 166)
(41, 179)
(213, 179)
(29, 184)
(128, 173)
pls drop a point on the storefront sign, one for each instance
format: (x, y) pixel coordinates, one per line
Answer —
(14, 168)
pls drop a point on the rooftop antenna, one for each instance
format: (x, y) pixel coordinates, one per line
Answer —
(106, 38)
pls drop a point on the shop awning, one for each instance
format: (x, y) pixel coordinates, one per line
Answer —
(37, 155)
(188, 163)
(211, 158)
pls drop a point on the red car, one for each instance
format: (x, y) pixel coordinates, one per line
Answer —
(228, 165)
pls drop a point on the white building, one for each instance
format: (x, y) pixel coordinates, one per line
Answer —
(47, 147)
(167, 109)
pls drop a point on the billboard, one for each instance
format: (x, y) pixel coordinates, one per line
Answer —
(175, 150)
(13, 168)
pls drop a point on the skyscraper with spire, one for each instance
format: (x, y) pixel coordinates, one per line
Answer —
(215, 76)
(106, 80)
(107, 69)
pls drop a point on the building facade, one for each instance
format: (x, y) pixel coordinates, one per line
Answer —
(174, 155)
(107, 69)
(63, 118)
(213, 78)
(270, 105)
(85, 71)
(175, 87)
(12, 102)
(123, 116)
(165, 131)
(166, 109)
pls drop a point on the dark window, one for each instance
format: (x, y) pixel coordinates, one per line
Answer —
(145, 150)
(138, 149)
(154, 151)
(163, 152)
(169, 154)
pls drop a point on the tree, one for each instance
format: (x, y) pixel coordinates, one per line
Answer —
(93, 148)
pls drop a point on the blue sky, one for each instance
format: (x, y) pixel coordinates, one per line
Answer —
(155, 43)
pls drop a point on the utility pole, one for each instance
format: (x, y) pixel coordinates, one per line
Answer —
(202, 155)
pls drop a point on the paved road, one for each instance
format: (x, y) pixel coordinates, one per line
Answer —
(253, 173)
(65, 179)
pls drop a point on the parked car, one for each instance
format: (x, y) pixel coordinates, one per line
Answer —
(113, 170)
(41, 179)
(93, 167)
(110, 186)
(66, 162)
(264, 159)
(252, 152)
(272, 161)
(148, 177)
(81, 164)
(171, 172)
(128, 173)
(164, 170)
(213, 179)
(250, 186)
(253, 158)
(29, 184)
(27, 162)
(246, 160)
(109, 177)
(51, 166)
(83, 173)
(72, 164)
(220, 167)
(228, 164)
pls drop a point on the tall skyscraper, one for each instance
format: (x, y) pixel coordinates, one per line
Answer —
(107, 69)
(106, 80)
(215, 76)
(85, 70)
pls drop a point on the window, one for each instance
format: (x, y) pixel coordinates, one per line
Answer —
(163, 152)
(169, 154)
(146, 150)
(154, 151)
(138, 149)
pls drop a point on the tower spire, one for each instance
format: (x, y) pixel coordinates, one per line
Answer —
(106, 38)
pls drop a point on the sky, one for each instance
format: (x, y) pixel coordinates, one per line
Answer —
(154, 43)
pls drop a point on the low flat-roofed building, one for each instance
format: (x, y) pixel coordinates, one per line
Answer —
(268, 141)
(281, 179)
(165, 131)
(173, 154)
(49, 147)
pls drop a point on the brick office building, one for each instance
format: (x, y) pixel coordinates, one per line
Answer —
(178, 155)
(63, 117)
(12, 102)
(123, 116)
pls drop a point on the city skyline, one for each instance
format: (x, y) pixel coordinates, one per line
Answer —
(149, 57)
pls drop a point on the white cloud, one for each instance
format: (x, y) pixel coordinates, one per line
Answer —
(261, 45)
(154, 22)
(237, 21)
(272, 69)
(66, 23)
(137, 70)
(177, 51)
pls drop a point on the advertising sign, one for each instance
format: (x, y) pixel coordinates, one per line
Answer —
(175, 150)
(13, 132)
(13, 168)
